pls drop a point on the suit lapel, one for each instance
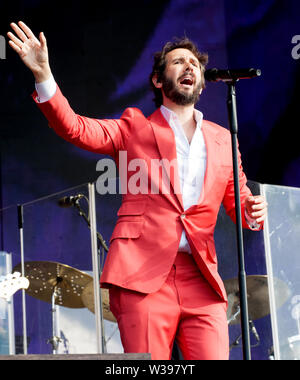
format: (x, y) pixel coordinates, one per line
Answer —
(164, 135)
(167, 148)
(212, 143)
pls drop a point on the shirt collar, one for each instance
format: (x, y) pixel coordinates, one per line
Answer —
(169, 115)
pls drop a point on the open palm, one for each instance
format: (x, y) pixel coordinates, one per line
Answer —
(32, 51)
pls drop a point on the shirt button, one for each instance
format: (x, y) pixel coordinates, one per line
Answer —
(182, 216)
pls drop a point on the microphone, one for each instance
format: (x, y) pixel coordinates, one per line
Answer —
(216, 75)
(254, 331)
(70, 200)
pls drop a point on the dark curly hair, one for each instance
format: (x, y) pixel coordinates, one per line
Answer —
(160, 63)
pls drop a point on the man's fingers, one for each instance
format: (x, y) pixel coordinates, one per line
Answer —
(15, 47)
(43, 40)
(19, 32)
(260, 206)
(257, 214)
(257, 202)
(258, 199)
(15, 40)
(257, 207)
(23, 32)
(255, 199)
(27, 30)
(261, 219)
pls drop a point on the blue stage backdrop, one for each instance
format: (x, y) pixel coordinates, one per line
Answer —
(101, 55)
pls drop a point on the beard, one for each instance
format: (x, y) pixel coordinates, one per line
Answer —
(178, 96)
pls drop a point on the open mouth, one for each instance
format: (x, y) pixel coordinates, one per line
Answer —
(187, 81)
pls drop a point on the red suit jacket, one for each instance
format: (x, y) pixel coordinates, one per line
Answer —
(145, 241)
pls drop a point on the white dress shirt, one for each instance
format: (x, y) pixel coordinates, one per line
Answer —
(191, 161)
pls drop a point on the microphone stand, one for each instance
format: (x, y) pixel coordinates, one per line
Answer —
(232, 115)
(100, 264)
(86, 218)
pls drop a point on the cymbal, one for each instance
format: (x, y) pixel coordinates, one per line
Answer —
(87, 297)
(257, 296)
(44, 276)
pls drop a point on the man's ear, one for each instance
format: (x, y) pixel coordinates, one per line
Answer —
(156, 82)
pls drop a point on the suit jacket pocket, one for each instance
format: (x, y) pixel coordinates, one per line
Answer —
(130, 220)
(127, 229)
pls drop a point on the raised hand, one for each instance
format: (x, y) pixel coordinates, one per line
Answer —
(32, 51)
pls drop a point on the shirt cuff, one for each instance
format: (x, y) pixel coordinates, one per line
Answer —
(45, 90)
(252, 223)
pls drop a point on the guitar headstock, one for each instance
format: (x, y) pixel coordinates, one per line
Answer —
(11, 283)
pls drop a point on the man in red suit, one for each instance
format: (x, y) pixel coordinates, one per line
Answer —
(161, 268)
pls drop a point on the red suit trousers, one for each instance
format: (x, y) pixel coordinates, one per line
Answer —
(185, 309)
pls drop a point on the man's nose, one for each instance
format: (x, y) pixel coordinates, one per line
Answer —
(188, 66)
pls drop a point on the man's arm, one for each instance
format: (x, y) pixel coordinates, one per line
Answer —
(101, 136)
(254, 207)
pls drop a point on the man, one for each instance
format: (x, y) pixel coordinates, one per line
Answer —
(161, 267)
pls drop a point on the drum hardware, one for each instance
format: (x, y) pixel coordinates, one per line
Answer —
(87, 297)
(258, 301)
(235, 315)
(55, 339)
(62, 285)
(58, 284)
(235, 343)
(65, 342)
(101, 248)
(47, 278)
(254, 332)
(271, 353)
(258, 297)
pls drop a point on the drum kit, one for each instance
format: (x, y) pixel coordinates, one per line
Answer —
(258, 302)
(62, 285)
(66, 286)
(258, 297)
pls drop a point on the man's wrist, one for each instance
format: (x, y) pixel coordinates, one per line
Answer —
(42, 75)
(46, 89)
